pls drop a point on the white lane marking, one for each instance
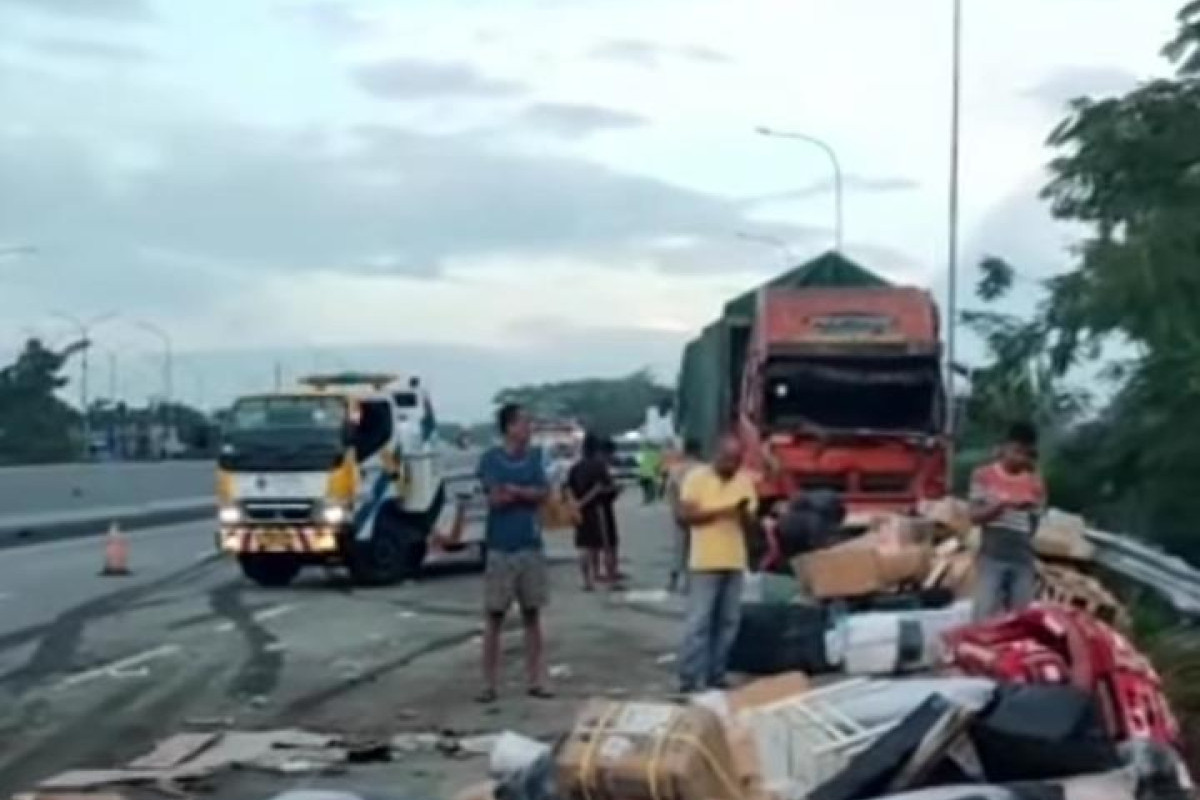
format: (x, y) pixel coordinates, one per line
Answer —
(122, 667)
(272, 612)
(259, 616)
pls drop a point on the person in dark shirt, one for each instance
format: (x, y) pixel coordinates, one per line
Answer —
(513, 477)
(592, 488)
(612, 535)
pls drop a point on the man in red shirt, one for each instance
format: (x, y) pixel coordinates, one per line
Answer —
(1007, 501)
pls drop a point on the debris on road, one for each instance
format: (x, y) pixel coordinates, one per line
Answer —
(646, 596)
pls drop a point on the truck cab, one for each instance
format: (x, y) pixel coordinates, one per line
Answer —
(842, 390)
(343, 471)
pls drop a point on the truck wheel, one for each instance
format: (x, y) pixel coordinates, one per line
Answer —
(389, 555)
(271, 571)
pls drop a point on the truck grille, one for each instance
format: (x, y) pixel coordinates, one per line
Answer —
(832, 481)
(885, 482)
(279, 511)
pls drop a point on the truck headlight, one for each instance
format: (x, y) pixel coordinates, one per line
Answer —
(229, 515)
(335, 515)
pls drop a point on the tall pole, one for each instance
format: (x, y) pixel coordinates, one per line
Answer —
(83, 329)
(839, 183)
(113, 388)
(168, 367)
(952, 233)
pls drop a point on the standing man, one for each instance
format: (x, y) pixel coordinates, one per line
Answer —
(718, 502)
(1007, 499)
(689, 459)
(513, 477)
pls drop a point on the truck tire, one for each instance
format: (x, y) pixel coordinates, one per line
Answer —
(269, 571)
(393, 553)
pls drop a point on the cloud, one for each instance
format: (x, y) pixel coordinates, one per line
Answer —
(1060, 87)
(414, 79)
(851, 183)
(201, 206)
(108, 10)
(574, 120)
(651, 55)
(92, 50)
(333, 18)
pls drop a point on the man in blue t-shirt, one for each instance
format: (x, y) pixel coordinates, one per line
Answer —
(513, 476)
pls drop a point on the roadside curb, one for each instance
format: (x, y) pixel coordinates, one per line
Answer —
(41, 528)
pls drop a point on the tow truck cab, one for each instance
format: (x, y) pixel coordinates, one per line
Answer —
(342, 472)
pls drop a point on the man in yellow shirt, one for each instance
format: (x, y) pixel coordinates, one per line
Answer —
(718, 503)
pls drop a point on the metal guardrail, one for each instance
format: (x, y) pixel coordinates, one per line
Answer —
(1169, 576)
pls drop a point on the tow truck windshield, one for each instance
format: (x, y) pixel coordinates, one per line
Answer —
(284, 434)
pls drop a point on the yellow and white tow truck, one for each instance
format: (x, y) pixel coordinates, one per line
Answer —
(342, 471)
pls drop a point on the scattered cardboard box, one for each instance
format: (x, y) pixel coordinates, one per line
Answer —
(479, 791)
(1063, 536)
(950, 513)
(862, 566)
(646, 751)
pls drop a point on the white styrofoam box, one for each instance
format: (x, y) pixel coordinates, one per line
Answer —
(872, 644)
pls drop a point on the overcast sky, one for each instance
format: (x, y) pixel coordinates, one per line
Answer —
(503, 190)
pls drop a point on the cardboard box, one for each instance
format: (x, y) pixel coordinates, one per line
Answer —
(848, 570)
(754, 696)
(1062, 536)
(646, 751)
(950, 513)
(961, 575)
(861, 567)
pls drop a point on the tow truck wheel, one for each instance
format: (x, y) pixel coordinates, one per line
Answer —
(270, 571)
(389, 555)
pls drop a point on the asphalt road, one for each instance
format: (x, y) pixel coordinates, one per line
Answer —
(94, 669)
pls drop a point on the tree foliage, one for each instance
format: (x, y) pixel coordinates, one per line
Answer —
(35, 425)
(1128, 173)
(605, 405)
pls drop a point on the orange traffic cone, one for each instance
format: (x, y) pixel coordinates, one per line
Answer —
(116, 552)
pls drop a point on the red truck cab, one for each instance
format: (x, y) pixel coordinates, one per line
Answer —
(842, 389)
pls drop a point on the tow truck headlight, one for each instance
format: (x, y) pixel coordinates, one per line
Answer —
(229, 515)
(334, 515)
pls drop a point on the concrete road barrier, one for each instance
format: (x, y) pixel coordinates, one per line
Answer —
(63, 500)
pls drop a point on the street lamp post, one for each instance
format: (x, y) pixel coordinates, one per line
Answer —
(770, 241)
(84, 329)
(952, 215)
(839, 196)
(168, 372)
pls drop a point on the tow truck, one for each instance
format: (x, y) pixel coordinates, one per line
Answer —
(344, 471)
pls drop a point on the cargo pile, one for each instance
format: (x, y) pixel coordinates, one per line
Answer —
(871, 681)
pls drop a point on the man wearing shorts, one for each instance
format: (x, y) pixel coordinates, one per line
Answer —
(513, 477)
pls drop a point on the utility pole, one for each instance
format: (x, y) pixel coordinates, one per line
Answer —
(84, 330)
(952, 232)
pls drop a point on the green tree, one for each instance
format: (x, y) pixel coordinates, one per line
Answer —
(35, 425)
(605, 405)
(1129, 173)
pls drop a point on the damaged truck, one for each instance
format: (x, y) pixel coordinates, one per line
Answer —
(832, 375)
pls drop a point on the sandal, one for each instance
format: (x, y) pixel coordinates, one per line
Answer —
(540, 693)
(487, 697)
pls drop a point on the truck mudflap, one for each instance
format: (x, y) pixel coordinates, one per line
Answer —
(299, 540)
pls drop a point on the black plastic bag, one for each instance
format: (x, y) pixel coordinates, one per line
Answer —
(1040, 732)
(776, 638)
